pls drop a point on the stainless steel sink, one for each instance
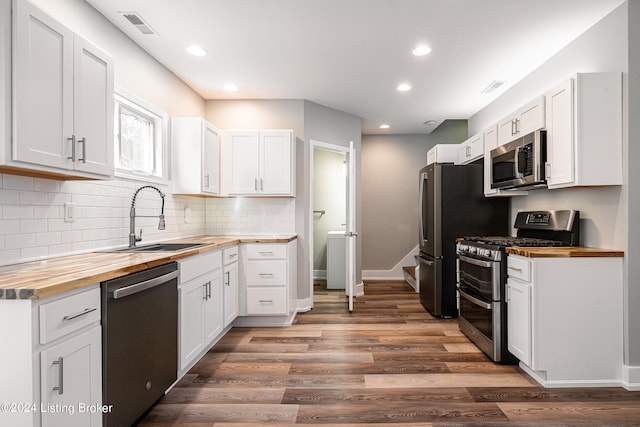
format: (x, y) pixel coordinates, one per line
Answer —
(159, 247)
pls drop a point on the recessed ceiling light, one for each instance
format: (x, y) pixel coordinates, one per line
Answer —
(196, 50)
(384, 126)
(421, 50)
(230, 87)
(404, 87)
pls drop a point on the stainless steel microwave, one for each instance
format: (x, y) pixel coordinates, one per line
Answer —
(520, 163)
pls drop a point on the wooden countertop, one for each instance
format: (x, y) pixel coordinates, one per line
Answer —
(46, 278)
(564, 252)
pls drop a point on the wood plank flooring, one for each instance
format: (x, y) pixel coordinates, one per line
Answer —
(389, 362)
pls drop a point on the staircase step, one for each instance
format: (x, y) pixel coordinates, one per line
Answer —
(410, 271)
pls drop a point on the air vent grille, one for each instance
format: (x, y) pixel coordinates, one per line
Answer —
(136, 20)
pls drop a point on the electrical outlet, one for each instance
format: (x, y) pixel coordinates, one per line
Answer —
(69, 212)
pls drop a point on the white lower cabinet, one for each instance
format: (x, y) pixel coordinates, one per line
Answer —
(519, 319)
(565, 319)
(52, 360)
(268, 285)
(230, 284)
(70, 377)
(200, 295)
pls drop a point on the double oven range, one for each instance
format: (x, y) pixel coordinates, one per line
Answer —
(482, 274)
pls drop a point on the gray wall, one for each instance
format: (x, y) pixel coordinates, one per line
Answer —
(390, 165)
(610, 213)
(334, 127)
(308, 121)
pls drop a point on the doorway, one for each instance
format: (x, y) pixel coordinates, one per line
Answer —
(332, 216)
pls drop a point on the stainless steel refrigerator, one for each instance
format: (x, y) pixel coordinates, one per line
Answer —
(452, 204)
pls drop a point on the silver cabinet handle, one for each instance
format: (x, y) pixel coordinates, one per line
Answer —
(263, 301)
(228, 273)
(83, 141)
(265, 274)
(266, 253)
(60, 387)
(255, 184)
(73, 148)
(204, 291)
(233, 255)
(261, 184)
(515, 269)
(82, 313)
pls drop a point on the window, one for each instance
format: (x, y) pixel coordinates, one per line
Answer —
(140, 139)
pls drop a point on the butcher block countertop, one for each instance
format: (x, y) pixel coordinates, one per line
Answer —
(46, 278)
(564, 252)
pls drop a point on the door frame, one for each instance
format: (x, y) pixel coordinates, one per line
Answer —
(330, 147)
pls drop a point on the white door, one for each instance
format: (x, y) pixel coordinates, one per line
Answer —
(351, 233)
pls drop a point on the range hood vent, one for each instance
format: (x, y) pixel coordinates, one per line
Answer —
(136, 20)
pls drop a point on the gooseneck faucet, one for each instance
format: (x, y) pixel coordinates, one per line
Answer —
(132, 216)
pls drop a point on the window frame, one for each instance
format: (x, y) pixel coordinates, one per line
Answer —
(130, 102)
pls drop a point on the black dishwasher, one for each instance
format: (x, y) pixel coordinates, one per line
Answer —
(139, 341)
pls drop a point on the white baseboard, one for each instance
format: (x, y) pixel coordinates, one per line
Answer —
(540, 377)
(304, 305)
(266, 321)
(396, 272)
(631, 377)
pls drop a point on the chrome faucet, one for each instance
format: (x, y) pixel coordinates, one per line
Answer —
(132, 216)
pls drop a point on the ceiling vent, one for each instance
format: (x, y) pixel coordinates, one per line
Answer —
(493, 86)
(136, 20)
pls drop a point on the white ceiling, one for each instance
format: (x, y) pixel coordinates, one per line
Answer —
(351, 54)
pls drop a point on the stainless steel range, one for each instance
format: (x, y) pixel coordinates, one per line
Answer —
(482, 274)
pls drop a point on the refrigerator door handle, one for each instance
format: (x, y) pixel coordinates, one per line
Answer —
(423, 178)
(425, 261)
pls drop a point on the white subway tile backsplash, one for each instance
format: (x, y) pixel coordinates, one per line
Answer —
(32, 224)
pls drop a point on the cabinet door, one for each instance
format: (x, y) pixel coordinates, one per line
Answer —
(210, 160)
(276, 163)
(560, 137)
(71, 375)
(244, 162)
(531, 117)
(519, 320)
(93, 108)
(230, 291)
(43, 84)
(192, 296)
(212, 306)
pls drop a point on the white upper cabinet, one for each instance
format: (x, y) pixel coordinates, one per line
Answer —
(260, 163)
(63, 98)
(584, 131)
(195, 156)
(525, 120)
(471, 150)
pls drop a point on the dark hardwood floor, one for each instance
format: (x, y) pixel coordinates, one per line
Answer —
(388, 362)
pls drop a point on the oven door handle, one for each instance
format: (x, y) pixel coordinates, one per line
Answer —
(479, 263)
(474, 300)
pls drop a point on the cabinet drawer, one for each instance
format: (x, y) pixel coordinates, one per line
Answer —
(266, 273)
(266, 301)
(229, 255)
(197, 265)
(63, 316)
(519, 268)
(266, 251)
